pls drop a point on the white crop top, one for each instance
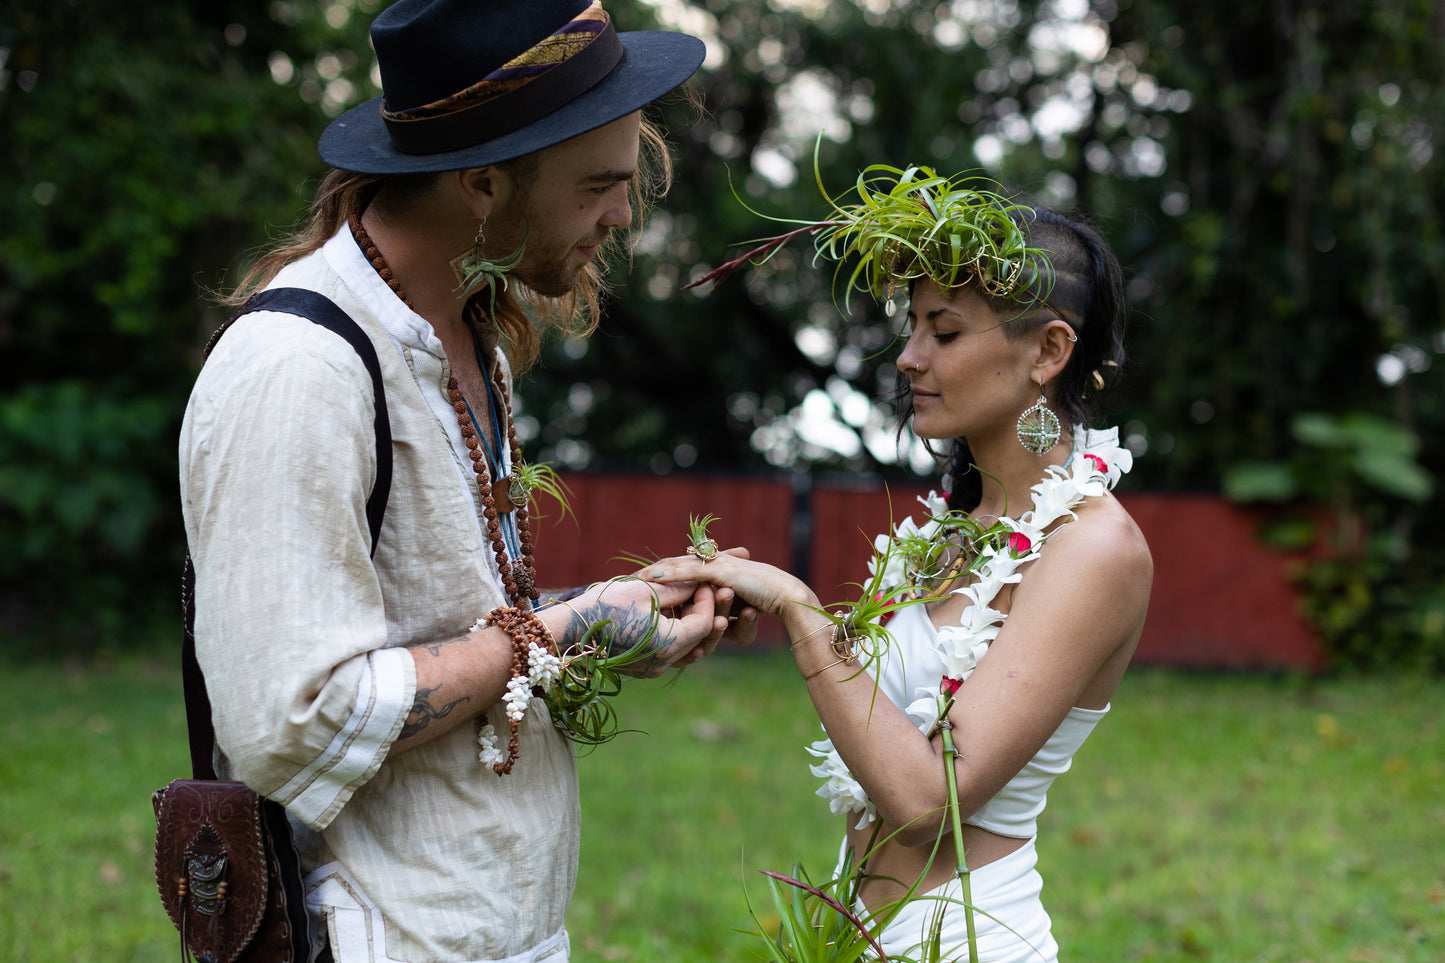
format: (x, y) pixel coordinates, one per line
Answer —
(911, 665)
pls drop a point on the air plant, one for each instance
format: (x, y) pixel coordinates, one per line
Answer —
(858, 626)
(954, 550)
(911, 223)
(819, 923)
(701, 547)
(473, 271)
(580, 701)
(529, 479)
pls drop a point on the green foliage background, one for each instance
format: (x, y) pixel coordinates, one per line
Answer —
(1272, 179)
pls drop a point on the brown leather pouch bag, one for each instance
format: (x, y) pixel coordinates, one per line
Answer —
(220, 876)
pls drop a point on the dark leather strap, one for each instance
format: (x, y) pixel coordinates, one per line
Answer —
(322, 310)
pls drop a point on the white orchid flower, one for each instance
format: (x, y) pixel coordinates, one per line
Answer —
(842, 791)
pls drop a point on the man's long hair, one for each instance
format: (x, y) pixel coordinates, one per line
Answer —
(522, 316)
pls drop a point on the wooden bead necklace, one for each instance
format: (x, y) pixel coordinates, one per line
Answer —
(520, 582)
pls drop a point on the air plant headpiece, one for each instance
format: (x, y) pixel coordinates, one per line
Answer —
(900, 225)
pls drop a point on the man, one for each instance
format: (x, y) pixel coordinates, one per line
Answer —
(354, 688)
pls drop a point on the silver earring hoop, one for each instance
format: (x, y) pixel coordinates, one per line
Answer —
(1038, 427)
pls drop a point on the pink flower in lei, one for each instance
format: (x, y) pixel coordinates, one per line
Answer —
(887, 608)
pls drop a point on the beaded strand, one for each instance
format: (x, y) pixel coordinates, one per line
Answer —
(526, 630)
(520, 582)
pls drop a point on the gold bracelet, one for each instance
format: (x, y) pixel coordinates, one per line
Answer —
(794, 646)
(575, 614)
(816, 672)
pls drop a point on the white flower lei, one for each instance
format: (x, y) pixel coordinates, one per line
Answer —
(1094, 468)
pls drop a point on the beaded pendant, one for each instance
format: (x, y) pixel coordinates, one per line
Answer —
(1038, 427)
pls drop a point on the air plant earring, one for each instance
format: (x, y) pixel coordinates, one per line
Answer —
(1038, 427)
(473, 269)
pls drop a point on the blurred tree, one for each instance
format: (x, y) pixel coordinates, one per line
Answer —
(144, 146)
(1270, 179)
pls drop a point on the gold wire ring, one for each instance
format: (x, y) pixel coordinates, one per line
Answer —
(704, 551)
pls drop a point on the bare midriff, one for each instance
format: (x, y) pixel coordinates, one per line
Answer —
(895, 867)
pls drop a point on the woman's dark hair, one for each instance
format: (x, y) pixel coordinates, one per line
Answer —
(1086, 290)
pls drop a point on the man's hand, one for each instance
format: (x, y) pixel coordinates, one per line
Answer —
(678, 622)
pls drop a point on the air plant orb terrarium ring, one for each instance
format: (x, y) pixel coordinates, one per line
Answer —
(705, 551)
(844, 638)
(702, 547)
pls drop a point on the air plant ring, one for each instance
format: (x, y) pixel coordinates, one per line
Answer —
(705, 551)
(703, 547)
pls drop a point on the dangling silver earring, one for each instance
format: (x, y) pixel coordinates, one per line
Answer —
(1038, 427)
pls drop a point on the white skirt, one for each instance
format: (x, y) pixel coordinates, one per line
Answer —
(1009, 921)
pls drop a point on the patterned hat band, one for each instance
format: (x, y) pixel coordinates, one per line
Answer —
(557, 70)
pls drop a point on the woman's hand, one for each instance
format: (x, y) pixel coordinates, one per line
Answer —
(764, 587)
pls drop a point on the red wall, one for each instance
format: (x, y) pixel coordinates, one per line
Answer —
(645, 516)
(1221, 599)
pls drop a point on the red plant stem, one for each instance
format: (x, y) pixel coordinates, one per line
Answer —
(764, 250)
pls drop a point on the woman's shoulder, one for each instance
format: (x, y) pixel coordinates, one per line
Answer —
(1104, 538)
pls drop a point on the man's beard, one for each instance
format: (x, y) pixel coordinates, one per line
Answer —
(549, 274)
(547, 268)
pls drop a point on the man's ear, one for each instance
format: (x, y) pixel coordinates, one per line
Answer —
(1056, 340)
(483, 189)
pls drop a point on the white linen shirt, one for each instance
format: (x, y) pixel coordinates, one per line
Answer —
(426, 855)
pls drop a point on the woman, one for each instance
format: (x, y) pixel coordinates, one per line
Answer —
(1015, 607)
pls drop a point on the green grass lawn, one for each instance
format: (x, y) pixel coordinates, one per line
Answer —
(1210, 817)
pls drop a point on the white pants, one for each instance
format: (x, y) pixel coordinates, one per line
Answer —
(1009, 919)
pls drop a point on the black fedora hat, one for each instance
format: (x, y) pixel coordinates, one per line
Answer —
(468, 83)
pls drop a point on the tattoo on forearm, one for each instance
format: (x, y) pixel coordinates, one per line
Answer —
(434, 649)
(625, 627)
(423, 712)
